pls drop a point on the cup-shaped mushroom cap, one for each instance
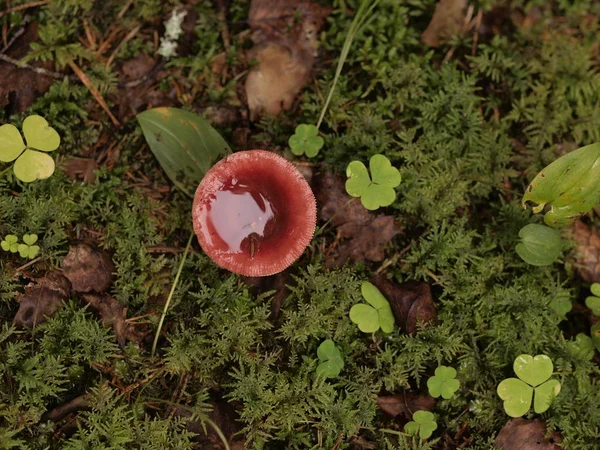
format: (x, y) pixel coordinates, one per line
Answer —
(254, 213)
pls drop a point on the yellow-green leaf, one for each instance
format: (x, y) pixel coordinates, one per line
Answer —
(33, 165)
(40, 135)
(11, 143)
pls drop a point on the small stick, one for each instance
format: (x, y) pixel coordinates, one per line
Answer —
(124, 9)
(25, 266)
(22, 7)
(126, 39)
(24, 65)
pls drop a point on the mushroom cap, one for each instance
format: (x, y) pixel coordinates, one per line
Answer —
(254, 213)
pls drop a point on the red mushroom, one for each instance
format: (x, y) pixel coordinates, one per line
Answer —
(254, 213)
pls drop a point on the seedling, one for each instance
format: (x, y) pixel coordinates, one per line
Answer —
(533, 382)
(30, 164)
(423, 424)
(376, 190)
(443, 383)
(306, 140)
(331, 360)
(29, 249)
(593, 301)
(10, 243)
(377, 314)
(540, 245)
(582, 347)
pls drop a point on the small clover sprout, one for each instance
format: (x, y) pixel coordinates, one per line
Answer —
(330, 358)
(540, 245)
(378, 314)
(561, 305)
(10, 243)
(306, 140)
(423, 423)
(28, 249)
(30, 165)
(375, 191)
(443, 383)
(593, 301)
(582, 347)
(533, 382)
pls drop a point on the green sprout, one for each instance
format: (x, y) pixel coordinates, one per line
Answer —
(375, 191)
(540, 245)
(306, 140)
(423, 423)
(10, 243)
(443, 383)
(533, 382)
(29, 249)
(377, 314)
(30, 164)
(330, 358)
(593, 301)
(582, 347)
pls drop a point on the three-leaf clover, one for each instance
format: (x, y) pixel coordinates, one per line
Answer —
(582, 347)
(28, 249)
(375, 191)
(540, 245)
(30, 164)
(10, 243)
(306, 140)
(377, 314)
(443, 383)
(593, 301)
(330, 358)
(423, 423)
(533, 382)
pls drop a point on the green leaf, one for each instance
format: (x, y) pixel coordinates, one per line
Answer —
(10, 243)
(570, 185)
(185, 144)
(595, 335)
(594, 304)
(11, 143)
(378, 191)
(533, 371)
(385, 316)
(306, 140)
(517, 396)
(443, 383)
(331, 359)
(39, 134)
(359, 180)
(366, 317)
(595, 288)
(544, 394)
(423, 423)
(30, 239)
(582, 347)
(383, 173)
(33, 251)
(33, 165)
(540, 245)
(561, 305)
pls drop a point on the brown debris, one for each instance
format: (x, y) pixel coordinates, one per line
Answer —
(111, 312)
(447, 20)
(81, 169)
(587, 252)
(42, 300)
(406, 404)
(138, 67)
(523, 434)
(74, 405)
(367, 233)
(411, 302)
(285, 36)
(88, 269)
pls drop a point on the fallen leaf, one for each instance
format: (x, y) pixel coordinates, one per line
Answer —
(81, 169)
(586, 252)
(523, 434)
(447, 20)
(88, 269)
(367, 233)
(42, 299)
(406, 404)
(285, 36)
(411, 302)
(111, 312)
(137, 67)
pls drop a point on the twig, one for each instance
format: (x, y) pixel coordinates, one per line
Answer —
(22, 7)
(124, 9)
(126, 39)
(39, 70)
(25, 266)
(13, 39)
(94, 91)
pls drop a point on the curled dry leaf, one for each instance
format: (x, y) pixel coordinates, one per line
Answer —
(586, 252)
(42, 299)
(448, 19)
(405, 404)
(526, 434)
(88, 269)
(411, 302)
(285, 38)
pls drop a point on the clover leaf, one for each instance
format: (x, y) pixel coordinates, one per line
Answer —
(595, 334)
(331, 360)
(378, 314)
(533, 382)
(306, 140)
(375, 191)
(30, 164)
(10, 243)
(593, 301)
(443, 383)
(540, 245)
(423, 423)
(582, 347)
(28, 249)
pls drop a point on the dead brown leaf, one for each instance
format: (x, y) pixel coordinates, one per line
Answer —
(136, 68)
(42, 299)
(587, 252)
(406, 404)
(523, 434)
(366, 233)
(88, 269)
(447, 20)
(81, 169)
(285, 37)
(111, 312)
(411, 302)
